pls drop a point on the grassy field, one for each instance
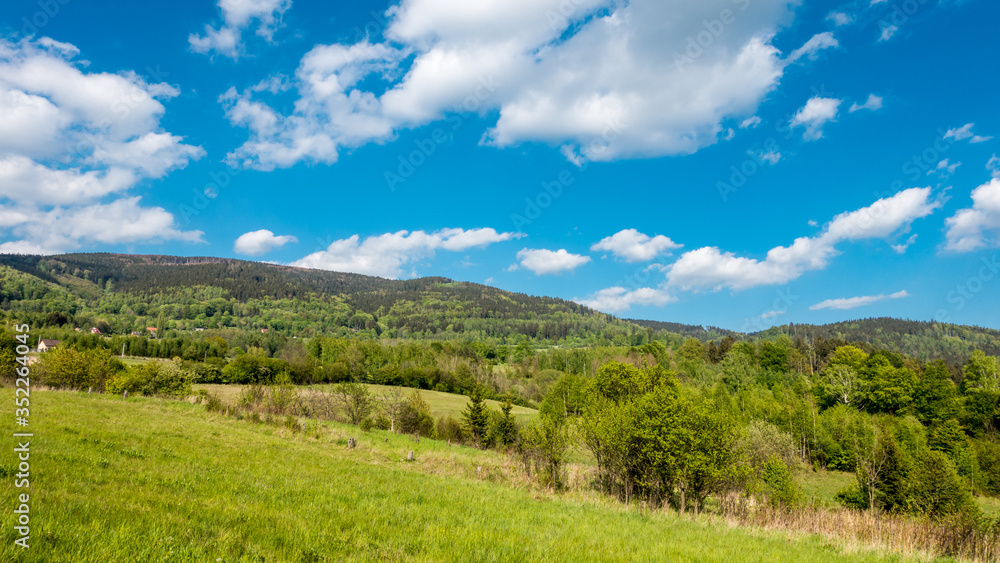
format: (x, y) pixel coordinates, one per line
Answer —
(822, 486)
(150, 480)
(441, 404)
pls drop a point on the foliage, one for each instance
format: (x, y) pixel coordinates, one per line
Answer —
(166, 379)
(68, 367)
(355, 400)
(475, 419)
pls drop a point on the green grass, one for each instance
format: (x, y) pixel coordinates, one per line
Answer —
(441, 404)
(149, 480)
(822, 486)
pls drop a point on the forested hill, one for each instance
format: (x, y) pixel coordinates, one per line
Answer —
(920, 339)
(130, 293)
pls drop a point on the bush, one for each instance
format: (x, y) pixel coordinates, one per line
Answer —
(450, 429)
(939, 490)
(778, 485)
(162, 379)
(71, 368)
(415, 417)
(213, 403)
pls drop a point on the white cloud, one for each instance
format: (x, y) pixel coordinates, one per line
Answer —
(542, 261)
(603, 81)
(750, 122)
(617, 299)
(239, 15)
(73, 144)
(903, 246)
(965, 132)
(993, 165)
(872, 103)
(816, 43)
(772, 157)
(255, 243)
(840, 18)
(814, 115)
(709, 268)
(853, 302)
(385, 255)
(978, 226)
(945, 168)
(119, 222)
(633, 246)
(887, 32)
(772, 314)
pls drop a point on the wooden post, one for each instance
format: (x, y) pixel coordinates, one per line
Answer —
(90, 390)
(125, 394)
(409, 456)
(351, 443)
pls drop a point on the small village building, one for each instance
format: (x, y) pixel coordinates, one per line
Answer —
(46, 345)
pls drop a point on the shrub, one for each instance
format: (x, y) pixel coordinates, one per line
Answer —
(450, 429)
(164, 379)
(778, 485)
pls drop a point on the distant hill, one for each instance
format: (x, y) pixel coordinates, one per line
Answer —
(921, 339)
(702, 333)
(205, 292)
(131, 292)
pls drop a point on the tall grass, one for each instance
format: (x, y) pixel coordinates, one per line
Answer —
(958, 536)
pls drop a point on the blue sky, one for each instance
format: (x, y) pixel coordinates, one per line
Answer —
(730, 163)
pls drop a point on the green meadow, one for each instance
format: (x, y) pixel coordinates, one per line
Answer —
(441, 404)
(143, 479)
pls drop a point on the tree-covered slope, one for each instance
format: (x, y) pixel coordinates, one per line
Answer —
(129, 293)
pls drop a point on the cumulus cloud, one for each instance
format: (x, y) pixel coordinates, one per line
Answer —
(853, 302)
(542, 261)
(965, 132)
(872, 103)
(710, 268)
(977, 226)
(601, 80)
(814, 115)
(73, 144)
(386, 255)
(618, 299)
(750, 122)
(239, 15)
(632, 246)
(255, 243)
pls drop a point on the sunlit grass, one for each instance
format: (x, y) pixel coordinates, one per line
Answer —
(151, 480)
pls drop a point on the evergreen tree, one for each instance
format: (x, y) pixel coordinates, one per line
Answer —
(476, 418)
